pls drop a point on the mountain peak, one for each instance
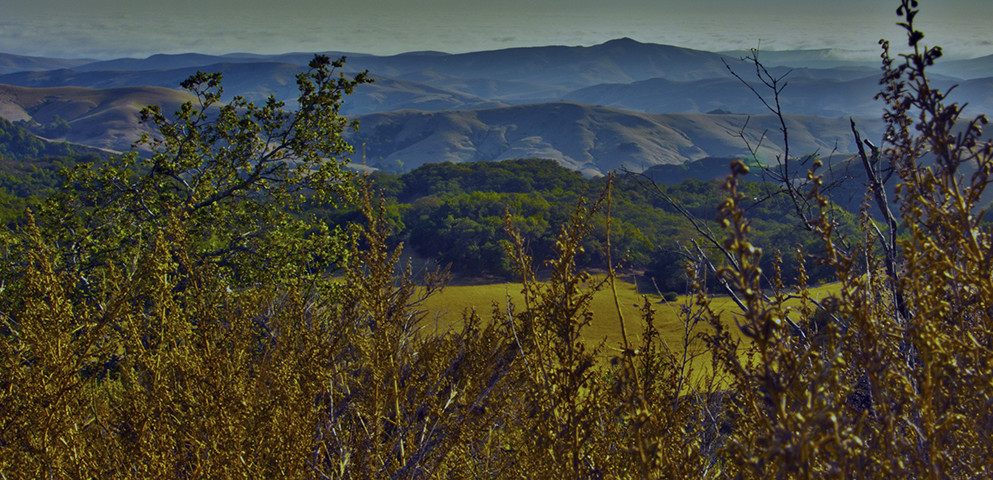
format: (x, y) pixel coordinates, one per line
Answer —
(622, 42)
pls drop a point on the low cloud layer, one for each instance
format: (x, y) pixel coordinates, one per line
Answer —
(137, 33)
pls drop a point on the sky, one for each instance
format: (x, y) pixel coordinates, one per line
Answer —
(107, 29)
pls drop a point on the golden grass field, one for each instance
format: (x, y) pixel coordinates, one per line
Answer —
(445, 310)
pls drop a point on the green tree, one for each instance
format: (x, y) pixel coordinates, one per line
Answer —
(236, 174)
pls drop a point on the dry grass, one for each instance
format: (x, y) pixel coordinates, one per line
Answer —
(444, 310)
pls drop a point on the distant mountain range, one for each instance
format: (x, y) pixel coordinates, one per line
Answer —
(17, 63)
(587, 138)
(592, 108)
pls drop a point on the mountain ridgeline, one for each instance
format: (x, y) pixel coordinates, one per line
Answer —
(621, 104)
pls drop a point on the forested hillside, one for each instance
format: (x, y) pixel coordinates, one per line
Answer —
(30, 168)
(455, 214)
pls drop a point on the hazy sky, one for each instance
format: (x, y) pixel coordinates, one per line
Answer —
(117, 28)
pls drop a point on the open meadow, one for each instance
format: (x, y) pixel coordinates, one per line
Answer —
(445, 310)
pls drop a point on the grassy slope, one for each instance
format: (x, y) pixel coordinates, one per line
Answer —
(102, 118)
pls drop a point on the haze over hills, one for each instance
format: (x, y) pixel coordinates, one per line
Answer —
(967, 69)
(19, 63)
(256, 81)
(622, 60)
(826, 97)
(535, 73)
(821, 58)
(591, 108)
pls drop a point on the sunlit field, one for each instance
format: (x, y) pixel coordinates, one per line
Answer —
(445, 310)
